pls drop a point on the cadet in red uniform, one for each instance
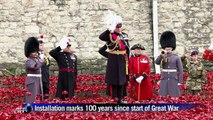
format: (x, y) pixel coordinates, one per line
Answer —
(139, 70)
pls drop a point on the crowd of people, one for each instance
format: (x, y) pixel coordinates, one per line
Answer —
(125, 65)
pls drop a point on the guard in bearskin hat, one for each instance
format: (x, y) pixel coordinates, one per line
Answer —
(67, 64)
(45, 67)
(139, 70)
(172, 68)
(118, 51)
(33, 65)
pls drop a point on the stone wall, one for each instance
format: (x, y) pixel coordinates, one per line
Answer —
(191, 20)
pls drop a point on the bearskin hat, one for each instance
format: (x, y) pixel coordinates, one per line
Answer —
(31, 45)
(168, 39)
(138, 46)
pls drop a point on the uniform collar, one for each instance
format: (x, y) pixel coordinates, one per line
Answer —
(41, 52)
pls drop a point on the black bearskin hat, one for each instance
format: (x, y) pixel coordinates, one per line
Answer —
(31, 45)
(138, 46)
(168, 39)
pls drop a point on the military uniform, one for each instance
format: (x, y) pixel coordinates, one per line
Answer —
(140, 66)
(197, 76)
(171, 75)
(67, 64)
(33, 66)
(116, 71)
(103, 52)
(44, 69)
(172, 68)
(45, 73)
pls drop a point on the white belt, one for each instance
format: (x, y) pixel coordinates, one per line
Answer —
(34, 75)
(169, 70)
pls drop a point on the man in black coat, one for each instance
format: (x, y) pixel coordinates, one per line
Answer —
(118, 52)
(67, 64)
(44, 68)
(104, 53)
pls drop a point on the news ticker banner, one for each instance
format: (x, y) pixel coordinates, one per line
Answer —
(43, 107)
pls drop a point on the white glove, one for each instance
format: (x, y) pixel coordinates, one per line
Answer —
(41, 56)
(179, 84)
(62, 45)
(139, 79)
(112, 26)
(63, 42)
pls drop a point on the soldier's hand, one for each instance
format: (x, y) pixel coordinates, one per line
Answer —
(112, 26)
(134, 78)
(163, 52)
(139, 79)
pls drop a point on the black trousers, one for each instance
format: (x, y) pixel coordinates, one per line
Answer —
(45, 80)
(109, 93)
(117, 91)
(46, 88)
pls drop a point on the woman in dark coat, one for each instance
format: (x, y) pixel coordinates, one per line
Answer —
(118, 51)
(67, 64)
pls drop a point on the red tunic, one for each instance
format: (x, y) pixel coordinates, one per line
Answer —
(137, 66)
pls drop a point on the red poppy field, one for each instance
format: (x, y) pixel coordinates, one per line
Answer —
(91, 89)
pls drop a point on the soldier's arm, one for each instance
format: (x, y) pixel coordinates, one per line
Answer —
(201, 67)
(33, 65)
(105, 36)
(131, 74)
(159, 59)
(103, 52)
(130, 65)
(180, 69)
(127, 49)
(54, 53)
(203, 78)
(147, 70)
(188, 64)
